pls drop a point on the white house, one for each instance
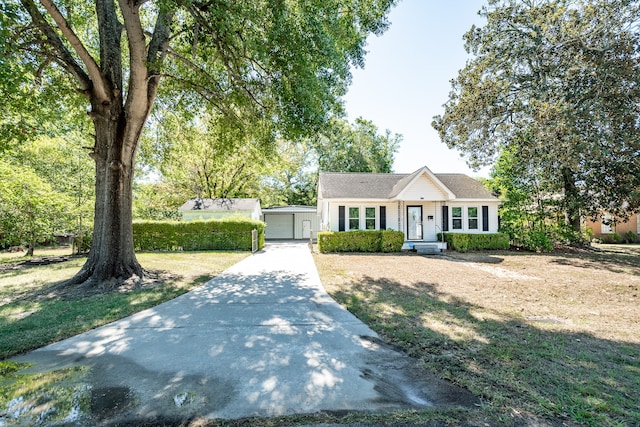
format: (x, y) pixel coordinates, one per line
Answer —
(421, 204)
(201, 208)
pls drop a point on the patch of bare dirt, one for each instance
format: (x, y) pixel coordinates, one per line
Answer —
(596, 292)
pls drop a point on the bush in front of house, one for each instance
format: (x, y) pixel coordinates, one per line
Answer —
(630, 237)
(463, 242)
(360, 241)
(392, 241)
(214, 234)
(612, 238)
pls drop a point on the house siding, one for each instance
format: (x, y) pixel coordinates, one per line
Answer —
(298, 220)
(423, 189)
(204, 215)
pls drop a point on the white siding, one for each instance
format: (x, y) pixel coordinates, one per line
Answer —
(299, 218)
(422, 189)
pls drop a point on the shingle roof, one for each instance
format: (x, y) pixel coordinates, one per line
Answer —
(221, 204)
(335, 185)
(465, 187)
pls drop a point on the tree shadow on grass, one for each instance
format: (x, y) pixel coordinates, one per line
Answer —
(614, 262)
(520, 368)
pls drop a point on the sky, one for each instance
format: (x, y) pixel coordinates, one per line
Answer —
(406, 80)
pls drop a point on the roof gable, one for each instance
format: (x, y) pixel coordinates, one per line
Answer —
(423, 185)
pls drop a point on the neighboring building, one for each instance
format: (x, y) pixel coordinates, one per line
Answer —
(421, 204)
(291, 222)
(221, 208)
(606, 225)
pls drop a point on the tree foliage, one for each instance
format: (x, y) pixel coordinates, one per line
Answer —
(556, 84)
(202, 156)
(356, 147)
(268, 67)
(31, 211)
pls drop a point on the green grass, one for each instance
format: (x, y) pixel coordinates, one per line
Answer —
(34, 314)
(511, 365)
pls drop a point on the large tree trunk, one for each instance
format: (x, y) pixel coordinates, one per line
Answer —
(112, 259)
(118, 120)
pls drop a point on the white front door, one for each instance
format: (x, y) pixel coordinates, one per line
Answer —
(306, 229)
(414, 222)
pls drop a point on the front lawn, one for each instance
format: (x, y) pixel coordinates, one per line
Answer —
(542, 339)
(34, 311)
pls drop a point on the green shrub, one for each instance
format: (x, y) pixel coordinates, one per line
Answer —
(630, 237)
(537, 241)
(463, 242)
(612, 238)
(392, 241)
(214, 234)
(360, 241)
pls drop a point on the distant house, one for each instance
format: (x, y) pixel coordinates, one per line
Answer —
(606, 225)
(199, 208)
(421, 204)
(291, 222)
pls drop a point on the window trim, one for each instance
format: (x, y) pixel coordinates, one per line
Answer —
(350, 218)
(470, 218)
(459, 218)
(368, 218)
(604, 228)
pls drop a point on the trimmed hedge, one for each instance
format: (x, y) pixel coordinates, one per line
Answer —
(360, 241)
(214, 234)
(463, 242)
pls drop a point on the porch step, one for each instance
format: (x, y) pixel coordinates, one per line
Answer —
(426, 248)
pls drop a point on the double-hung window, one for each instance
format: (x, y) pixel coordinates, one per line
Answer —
(607, 224)
(370, 218)
(354, 218)
(472, 218)
(456, 218)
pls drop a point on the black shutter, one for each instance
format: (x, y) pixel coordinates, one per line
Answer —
(445, 218)
(383, 217)
(341, 221)
(485, 218)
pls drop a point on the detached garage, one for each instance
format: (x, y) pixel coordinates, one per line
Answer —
(291, 222)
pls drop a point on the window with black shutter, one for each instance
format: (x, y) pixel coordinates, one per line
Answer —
(341, 218)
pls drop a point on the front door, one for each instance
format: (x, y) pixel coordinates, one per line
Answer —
(414, 222)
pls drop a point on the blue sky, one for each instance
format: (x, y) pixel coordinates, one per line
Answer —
(406, 79)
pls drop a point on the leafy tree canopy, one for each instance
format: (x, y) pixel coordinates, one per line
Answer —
(556, 83)
(30, 209)
(271, 68)
(357, 147)
(204, 157)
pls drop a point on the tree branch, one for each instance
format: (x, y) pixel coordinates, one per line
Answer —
(110, 29)
(158, 48)
(84, 55)
(136, 104)
(70, 64)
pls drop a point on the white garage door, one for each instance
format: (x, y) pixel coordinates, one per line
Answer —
(278, 226)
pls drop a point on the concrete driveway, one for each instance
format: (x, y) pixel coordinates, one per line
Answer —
(261, 339)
